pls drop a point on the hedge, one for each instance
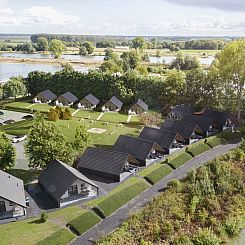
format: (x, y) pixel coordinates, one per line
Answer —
(84, 222)
(118, 199)
(215, 141)
(179, 160)
(24, 110)
(61, 237)
(231, 135)
(197, 149)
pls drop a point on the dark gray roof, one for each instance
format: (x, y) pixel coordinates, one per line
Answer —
(12, 189)
(185, 129)
(220, 118)
(105, 161)
(92, 99)
(164, 138)
(48, 95)
(136, 147)
(179, 110)
(142, 104)
(58, 177)
(71, 98)
(202, 121)
(118, 103)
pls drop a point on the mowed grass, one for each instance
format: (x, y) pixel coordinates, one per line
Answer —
(114, 117)
(27, 232)
(68, 128)
(41, 107)
(65, 215)
(21, 105)
(87, 114)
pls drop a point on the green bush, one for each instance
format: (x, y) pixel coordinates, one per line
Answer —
(84, 222)
(232, 226)
(44, 217)
(180, 159)
(215, 141)
(118, 199)
(230, 136)
(61, 237)
(205, 237)
(158, 174)
(182, 240)
(197, 149)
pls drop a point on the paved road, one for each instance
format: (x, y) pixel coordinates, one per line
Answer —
(109, 224)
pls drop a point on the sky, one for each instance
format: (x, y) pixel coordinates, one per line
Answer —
(124, 17)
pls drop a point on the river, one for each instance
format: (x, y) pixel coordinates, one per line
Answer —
(8, 70)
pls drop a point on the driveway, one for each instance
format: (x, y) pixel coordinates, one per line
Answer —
(109, 224)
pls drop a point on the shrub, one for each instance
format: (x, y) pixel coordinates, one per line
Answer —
(61, 237)
(180, 159)
(197, 149)
(158, 174)
(205, 237)
(118, 199)
(175, 184)
(231, 135)
(215, 141)
(84, 222)
(182, 240)
(232, 226)
(44, 217)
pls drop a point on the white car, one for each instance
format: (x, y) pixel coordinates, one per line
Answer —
(19, 138)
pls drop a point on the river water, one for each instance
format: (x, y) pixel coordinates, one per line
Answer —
(8, 70)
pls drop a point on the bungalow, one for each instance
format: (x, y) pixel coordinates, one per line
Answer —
(142, 150)
(138, 108)
(66, 99)
(221, 120)
(89, 102)
(179, 110)
(114, 104)
(65, 184)
(45, 96)
(107, 164)
(12, 197)
(189, 131)
(204, 123)
(167, 140)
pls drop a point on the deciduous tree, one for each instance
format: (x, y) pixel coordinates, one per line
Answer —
(14, 87)
(56, 47)
(82, 137)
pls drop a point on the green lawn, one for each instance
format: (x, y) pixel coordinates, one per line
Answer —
(114, 117)
(18, 128)
(87, 114)
(41, 107)
(19, 105)
(65, 215)
(27, 232)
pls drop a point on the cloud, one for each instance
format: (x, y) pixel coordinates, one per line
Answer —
(227, 5)
(36, 15)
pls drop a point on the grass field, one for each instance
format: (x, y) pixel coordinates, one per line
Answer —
(27, 232)
(19, 105)
(87, 114)
(114, 117)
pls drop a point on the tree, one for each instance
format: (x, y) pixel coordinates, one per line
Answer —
(110, 66)
(83, 50)
(53, 115)
(111, 55)
(14, 87)
(7, 152)
(1, 92)
(42, 44)
(175, 86)
(158, 54)
(89, 46)
(45, 144)
(139, 43)
(66, 114)
(67, 66)
(185, 62)
(82, 137)
(231, 67)
(56, 47)
(130, 60)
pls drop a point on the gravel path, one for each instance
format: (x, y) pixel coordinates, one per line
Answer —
(109, 224)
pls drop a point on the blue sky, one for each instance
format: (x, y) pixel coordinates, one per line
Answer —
(124, 17)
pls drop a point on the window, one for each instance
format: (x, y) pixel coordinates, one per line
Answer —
(2, 206)
(72, 190)
(11, 203)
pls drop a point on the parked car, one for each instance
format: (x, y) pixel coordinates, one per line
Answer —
(19, 138)
(1, 113)
(26, 117)
(9, 121)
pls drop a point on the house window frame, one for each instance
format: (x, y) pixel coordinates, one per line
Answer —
(72, 190)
